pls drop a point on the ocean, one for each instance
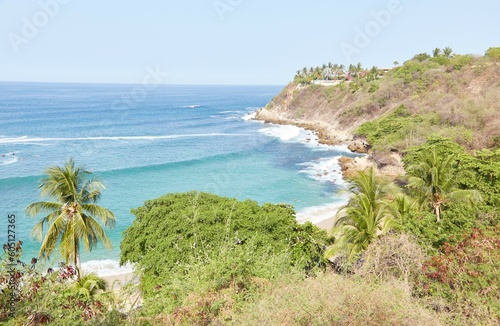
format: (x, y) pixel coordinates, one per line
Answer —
(147, 142)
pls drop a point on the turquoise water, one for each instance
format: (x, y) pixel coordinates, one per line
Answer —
(168, 139)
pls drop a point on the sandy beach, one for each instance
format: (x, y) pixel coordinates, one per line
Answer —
(326, 224)
(116, 282)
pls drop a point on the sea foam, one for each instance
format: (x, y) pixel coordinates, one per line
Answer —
(283, 132)
(316, 214)
(325, 169)
(106, 267)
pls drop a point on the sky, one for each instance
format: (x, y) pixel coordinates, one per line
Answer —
(228, 42)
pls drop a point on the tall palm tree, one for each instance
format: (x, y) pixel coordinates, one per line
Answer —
(71, 216)
(447, 51)
(432, 180)
(364, 218)
(436, 52)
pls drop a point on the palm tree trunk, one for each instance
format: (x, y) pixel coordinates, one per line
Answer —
(78, 263)
(437, 211)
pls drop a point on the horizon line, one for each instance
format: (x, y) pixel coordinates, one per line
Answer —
(128, 83)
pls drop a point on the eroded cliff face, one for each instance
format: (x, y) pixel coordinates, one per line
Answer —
(299, 106)
(296, 106)
(329, 132)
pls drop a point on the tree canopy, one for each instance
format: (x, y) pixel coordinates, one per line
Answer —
(228, 240)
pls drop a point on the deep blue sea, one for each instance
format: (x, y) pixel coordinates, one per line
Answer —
(144, 143)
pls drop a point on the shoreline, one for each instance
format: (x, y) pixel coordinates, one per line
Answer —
(326, 135)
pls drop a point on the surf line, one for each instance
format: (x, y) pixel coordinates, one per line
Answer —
(25, 139)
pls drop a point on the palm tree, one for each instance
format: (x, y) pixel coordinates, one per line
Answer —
(352, 69)
(89, 285)
(447, 51)
(327, 74)
(359, 67)
(433, 182)
(436, 52)
(364, 218)
(373, 74)
(71, 216)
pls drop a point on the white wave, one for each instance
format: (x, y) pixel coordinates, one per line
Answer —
(230, 111)
(283, 132)
(326, 169)
(26, 139)
(249, 116)
(10, 159)
(106, 267)
(316, 214)
(192, 106)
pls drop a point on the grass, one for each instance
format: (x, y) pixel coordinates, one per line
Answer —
(331, 299)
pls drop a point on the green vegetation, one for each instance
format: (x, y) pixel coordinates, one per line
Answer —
(71, 218)
(336, 72)
(493, 54)
(55, 297)
(433, 182)
(364, 218)
(198, 243)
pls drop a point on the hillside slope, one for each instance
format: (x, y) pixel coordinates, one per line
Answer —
(456, 97)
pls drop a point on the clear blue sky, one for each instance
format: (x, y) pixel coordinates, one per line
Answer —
(241, 42)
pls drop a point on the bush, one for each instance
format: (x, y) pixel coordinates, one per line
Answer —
(460, 61)
(393, 257)
(467, 275)
(198, 242)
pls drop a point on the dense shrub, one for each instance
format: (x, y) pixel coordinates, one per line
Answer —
(198, 242)
(467, 275)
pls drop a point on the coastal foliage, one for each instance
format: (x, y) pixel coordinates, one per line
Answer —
(467, 275)
(433, 182)
(187, 243)
(33, 296)
(71, 218)
(364, 218)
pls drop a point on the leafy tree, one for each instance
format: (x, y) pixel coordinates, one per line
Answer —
(71, 218)
(433, 182)
(421, 57)
(364, 218)
(215, 243)
(493, 54)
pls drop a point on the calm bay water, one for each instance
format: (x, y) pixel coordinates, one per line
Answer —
(171, 139)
